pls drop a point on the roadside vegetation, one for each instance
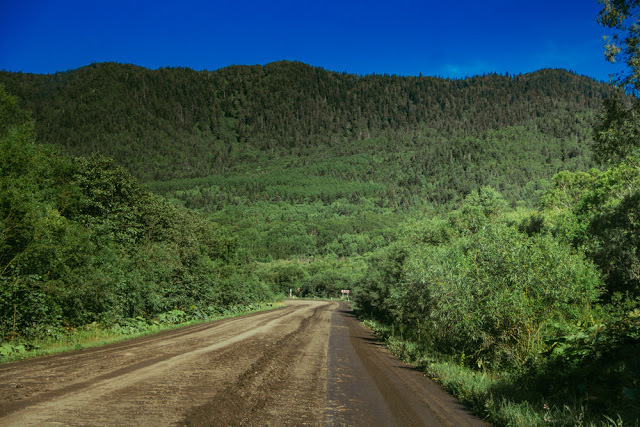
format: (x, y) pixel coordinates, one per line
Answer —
(63, 339)
(84, 243)
(519, 312)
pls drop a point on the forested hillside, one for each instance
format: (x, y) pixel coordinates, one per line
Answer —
(290, 102)
(422, 139)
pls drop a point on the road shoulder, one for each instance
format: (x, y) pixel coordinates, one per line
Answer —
(367, 385)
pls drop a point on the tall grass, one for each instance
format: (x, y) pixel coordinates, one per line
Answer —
(503, 398)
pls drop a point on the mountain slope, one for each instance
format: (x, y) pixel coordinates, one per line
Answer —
(175, 123)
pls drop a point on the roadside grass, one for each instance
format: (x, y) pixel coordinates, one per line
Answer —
(95, 334)
(555, 398)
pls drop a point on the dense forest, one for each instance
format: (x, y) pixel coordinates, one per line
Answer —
(479, 222)
(179, 123)
(83, 241)
(421, 138)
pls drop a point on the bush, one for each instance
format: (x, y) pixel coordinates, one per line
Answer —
(476, 287)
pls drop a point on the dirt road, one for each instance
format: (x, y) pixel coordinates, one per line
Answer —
(309, 363)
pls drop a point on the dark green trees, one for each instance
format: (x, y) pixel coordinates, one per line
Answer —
(82, 241)
(179, 123)
(621, 17)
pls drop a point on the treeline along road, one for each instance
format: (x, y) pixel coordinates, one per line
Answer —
(310, 362)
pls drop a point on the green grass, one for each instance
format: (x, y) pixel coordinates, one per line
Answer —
(96, 335)
(507, 399)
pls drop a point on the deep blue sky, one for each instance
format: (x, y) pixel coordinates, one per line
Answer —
(406, 37)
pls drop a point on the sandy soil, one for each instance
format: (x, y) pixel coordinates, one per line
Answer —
(305, 364)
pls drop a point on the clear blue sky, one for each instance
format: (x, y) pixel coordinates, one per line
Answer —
(405, 37)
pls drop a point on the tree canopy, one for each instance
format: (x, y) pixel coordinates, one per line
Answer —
(617, 135)
(621, 16)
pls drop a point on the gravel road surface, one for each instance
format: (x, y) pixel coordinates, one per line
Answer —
(310, 363)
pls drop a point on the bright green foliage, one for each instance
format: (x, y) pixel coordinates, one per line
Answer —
(406, 139)
(472, 284)
(317, 277)
(400, 172)
(82, 241)
(496, 297)
(598, 214)
(515, 299)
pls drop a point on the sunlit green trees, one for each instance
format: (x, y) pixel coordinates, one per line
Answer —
(83, 241)
(474, 283)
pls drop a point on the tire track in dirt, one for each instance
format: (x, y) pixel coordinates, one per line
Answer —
(254, 398)
(367, 385)
(72, 358)
(125, 367)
